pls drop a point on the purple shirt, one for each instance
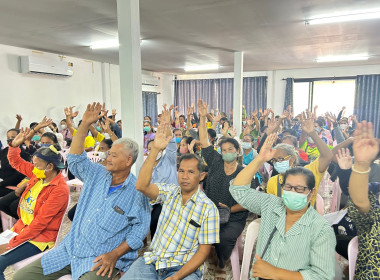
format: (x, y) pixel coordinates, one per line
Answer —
(148, 137)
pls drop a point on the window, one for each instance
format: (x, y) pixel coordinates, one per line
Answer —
(330, 95)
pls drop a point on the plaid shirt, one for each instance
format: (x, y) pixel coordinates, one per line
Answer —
(102, 221)
(178, 236)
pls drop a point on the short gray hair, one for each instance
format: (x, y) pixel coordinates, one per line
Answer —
(131, 146)
(289, 150)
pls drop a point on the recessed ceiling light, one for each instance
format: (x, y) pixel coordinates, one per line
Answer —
(343, 58)
(201, 67)
(105, 44)
(352, 16)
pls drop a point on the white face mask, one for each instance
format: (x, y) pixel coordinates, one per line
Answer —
(102, 155)
(343, 126)
(63, 126)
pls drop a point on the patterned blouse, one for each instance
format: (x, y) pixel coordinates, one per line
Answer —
(368, 226)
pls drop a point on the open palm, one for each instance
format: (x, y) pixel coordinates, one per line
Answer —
(365, 146)
(266, 152)
(161, 139)
(93, 113)
(202, 108)
(344, 159)
(21, 137)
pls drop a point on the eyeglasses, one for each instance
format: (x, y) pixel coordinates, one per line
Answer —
(280, 159)
(299, 189)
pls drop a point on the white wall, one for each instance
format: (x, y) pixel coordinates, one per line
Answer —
(34, 96)
(276, 85)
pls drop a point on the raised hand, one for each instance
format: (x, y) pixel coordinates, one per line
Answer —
(202, 108)
(272, 126)
(266, 152)
(191, 146)
(18, 117)
(249, 121)
(307, 124)
(21, 137)
(161, 140)
(113, 112)
(254, 114)
(93, 113)
(105, 125)
(344, 159)
(233, 132)
(225, 128)
(365, 146)
(217, 118)
(189, 111)
(165, 116)
(44, 123)
(285, 115)
(171, 107)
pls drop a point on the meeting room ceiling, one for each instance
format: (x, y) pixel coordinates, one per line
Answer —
(178, 33)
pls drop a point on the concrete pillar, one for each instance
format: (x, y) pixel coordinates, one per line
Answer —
(238, 90)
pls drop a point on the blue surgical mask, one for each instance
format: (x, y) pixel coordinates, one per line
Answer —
(282, 166)
(146, 128)
(98, 128)
(178, 140)
(219, 150)
(229, 157)
(294, 201)
(36, 138)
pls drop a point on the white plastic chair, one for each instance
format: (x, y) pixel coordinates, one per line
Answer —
(235, 258)
(353, 248)
(250, 239)
(31, 259)
(75, 183)
(320, 204)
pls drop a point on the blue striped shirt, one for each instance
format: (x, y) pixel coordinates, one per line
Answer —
(307, 247)
(102, 221)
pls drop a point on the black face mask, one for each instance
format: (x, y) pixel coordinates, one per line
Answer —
(10, 141)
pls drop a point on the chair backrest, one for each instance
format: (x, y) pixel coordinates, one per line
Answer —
(353, 248)
(250, 239)
(320, 204)
(93, 156)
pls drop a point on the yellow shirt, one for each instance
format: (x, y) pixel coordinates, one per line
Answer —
(88, 141)
(313, 167)
(27, 211)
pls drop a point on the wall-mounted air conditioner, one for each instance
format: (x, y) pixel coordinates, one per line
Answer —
(47, 66)
(148, 80)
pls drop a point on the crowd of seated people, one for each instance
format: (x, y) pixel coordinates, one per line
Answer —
(199, 181)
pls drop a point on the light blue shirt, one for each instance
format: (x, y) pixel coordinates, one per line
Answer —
(166, 169)
(102, 222)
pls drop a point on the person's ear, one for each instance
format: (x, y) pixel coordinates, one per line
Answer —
(203, 175)
(311, 194)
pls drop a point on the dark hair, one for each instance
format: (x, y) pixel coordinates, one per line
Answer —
(231, 141)
(63, 120)
(151, 127)
(250, 136)
(150, 141)
(108, 142)
(182, 116)
(150, 119)
(15, 130)
(293, 139)
(224, 119)
(309, 176)
(49, 153)
(200, 165)
(290, 131)
(52, 137)
(320, 122)
(211, 132)
(33, 124)
(176, 129)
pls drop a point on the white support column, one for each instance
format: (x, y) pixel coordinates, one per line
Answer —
(128, 14)
(106, 85)
(238, 90)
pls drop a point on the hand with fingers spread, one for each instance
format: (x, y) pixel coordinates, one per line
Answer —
(249, 121)
(217, 118)
(21, 137)
(344, 158)
(191, 146)
(161, 140)
(165, 116)
(365, 146)
(93, 113)
(266, 152)
(272, 126)
(233, 132)
(105, 264)
(113, 112)
(171, 107)
(285, 115)
(44, 123)
(225, 129)
(307, 124)
(202, 108)
(18, 117)
(254, 113)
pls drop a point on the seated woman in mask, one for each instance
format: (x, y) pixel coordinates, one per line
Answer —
(42, 204)
(294, 241)
(286, 157)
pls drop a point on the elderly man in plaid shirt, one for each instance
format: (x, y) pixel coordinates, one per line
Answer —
(188, 224)
(112, 217)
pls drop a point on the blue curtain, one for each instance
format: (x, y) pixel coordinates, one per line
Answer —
(367, 100)
(149, 100)
(288, 93)
(218, 93)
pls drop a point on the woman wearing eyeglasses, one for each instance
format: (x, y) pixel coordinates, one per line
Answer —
(286, 157)
(294, 241)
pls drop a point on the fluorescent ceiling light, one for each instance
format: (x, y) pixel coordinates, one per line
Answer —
(343, 58)
(201, 67)
(353, 16)
(105, 44)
